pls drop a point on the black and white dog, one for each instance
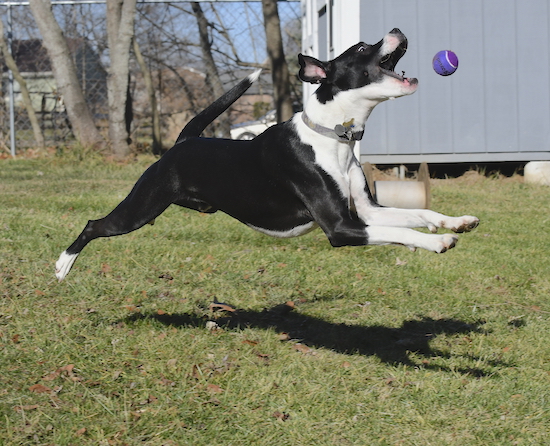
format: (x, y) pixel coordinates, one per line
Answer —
(295, 176)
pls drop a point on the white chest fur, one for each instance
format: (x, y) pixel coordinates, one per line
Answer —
(334, 157)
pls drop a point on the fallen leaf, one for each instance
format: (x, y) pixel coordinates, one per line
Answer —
(249, 342)
(221, 306)
(80, 432)
(132, 308)
(302, 348)
(15, 338)
(39, 388)
(23, 408)
(67, 368)
(52, 376)
(346, 364)
(213, 388)
(167, 382)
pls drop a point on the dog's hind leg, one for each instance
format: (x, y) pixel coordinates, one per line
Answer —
(145, 202)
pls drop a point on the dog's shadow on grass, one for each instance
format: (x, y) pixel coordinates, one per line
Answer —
(408, 344)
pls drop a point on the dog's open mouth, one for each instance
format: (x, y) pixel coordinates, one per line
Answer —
(389, 61)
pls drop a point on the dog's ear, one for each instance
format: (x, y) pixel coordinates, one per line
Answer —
(312, 70)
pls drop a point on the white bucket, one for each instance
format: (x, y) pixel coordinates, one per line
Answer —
(537, 172)
(402, 194)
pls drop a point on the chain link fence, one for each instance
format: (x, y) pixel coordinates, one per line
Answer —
(166, 34)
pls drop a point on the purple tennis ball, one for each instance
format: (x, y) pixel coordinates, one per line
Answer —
(445, 63)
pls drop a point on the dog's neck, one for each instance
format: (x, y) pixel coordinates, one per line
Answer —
(346, 110)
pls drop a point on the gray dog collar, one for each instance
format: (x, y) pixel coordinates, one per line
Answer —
(341, 132)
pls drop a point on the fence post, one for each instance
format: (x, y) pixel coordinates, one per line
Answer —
(10, 87)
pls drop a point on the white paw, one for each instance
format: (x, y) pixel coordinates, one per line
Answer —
(445, 242)
(64, 264)
(461, 224)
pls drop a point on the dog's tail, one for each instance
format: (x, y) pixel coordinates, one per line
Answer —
(196, 126)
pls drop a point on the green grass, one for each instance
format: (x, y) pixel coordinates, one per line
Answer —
(449, 349)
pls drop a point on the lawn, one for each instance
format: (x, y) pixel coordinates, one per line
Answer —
(200, 331)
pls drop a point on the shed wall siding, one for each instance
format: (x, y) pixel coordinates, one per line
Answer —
(496, 107)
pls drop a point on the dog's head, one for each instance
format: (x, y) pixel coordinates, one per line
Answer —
(363, 67)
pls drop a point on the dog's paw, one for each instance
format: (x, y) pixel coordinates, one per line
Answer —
(445, 242)
(461, 224)
(64, 264)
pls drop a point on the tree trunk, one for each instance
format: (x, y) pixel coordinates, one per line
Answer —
(212, 76)
(279, 67)
(120, 31)
(66, 78)
(147, 78)
(10, 63)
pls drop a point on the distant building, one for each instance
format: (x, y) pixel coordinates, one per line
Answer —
(34, 65)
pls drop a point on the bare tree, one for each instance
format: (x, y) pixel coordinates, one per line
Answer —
(212, 76)
(148, 80)
(10, 63)
(279, 67)
(120, 31)
(65, 74)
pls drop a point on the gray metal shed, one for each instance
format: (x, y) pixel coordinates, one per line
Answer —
(496, 107)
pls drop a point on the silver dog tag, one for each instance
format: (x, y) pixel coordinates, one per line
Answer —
(340, 130)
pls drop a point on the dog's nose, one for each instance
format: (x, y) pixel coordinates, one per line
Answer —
(395, 31)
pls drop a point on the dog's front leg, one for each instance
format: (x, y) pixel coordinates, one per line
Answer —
(418, 218)
(375, 215)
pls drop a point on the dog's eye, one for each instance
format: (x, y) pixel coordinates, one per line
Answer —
(361, 48)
